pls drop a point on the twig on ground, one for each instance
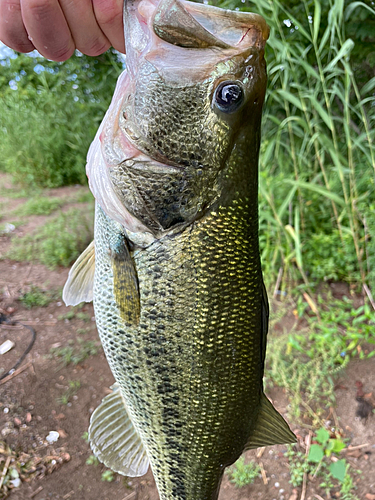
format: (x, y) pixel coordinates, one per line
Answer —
(278, 281)
(5, 470)
(34, 493)
(17, 372)
(263, 472)
(131, 495)
(304, 481)
(369, 295)
(359, 446)
(43, 323)
(260, 452)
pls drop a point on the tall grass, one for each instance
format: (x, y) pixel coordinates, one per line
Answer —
(318, 149)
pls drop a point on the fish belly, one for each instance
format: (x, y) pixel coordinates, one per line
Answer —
(190, 371)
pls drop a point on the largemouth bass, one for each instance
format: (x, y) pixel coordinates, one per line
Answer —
(175, 271)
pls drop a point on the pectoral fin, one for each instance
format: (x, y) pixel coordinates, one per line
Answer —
(80, 283)
(125, 282)
(113, 438)
(270, 427)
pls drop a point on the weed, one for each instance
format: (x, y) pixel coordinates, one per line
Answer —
(84, 197)
(82, 331)
(36, 297)
(108, 475)
(307, 361)
(15, 192)
(75, 313)
(58, 242)
(83, 316)
(85, 436)
(73, 386)
(318, 463)
(75, 353)
(92, 460)
(241, 474)
(69, 315)
(40, 206)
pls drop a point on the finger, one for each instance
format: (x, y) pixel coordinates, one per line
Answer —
(47, 28)
(108, 14)
(12, 30)
(87, 35)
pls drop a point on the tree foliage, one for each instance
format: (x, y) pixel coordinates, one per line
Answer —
(50, 113)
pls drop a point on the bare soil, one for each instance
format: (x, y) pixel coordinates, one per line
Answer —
(34, 401)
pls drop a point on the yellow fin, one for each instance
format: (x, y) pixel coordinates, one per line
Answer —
(270, 427)
(125, 282)
(80, 283)
(113, 438)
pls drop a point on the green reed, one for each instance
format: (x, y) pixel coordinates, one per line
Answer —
(318, 146)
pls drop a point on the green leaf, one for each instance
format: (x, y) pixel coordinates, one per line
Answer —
(354, 5)
(316, 453)
(317, 189)
(338, 469)
(291, 98)
(344, 51)
(337, 445)
(317, 14)
(322, 436)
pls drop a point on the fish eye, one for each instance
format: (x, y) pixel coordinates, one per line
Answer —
(228, 96)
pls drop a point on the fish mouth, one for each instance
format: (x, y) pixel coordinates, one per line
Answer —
(160, 31)
(192, 25)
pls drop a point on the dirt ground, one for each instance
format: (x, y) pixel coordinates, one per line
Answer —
(44, 395)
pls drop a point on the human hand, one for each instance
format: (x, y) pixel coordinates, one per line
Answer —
(57, 27)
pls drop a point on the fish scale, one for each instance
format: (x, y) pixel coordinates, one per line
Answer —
(192, 334)
(178, 293)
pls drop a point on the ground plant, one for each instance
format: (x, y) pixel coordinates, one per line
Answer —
(322, 461)
(37, 297)
(76, 351)
(41, 205)
(241, 473)
(59, 242)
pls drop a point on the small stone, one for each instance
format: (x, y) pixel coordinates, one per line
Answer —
(277, 485)
(6, 346)
(16, 482)
(52, 437)
(17, 421)
(28, 417)
(6, 410)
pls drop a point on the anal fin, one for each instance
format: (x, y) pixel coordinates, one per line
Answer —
(80, 283)
(270, 427)
(113, 438)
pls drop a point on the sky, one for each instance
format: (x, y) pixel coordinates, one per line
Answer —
(4, 51)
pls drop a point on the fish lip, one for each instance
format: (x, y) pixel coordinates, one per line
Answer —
(250, 19)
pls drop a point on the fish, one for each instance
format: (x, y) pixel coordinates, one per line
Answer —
(174, 270)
